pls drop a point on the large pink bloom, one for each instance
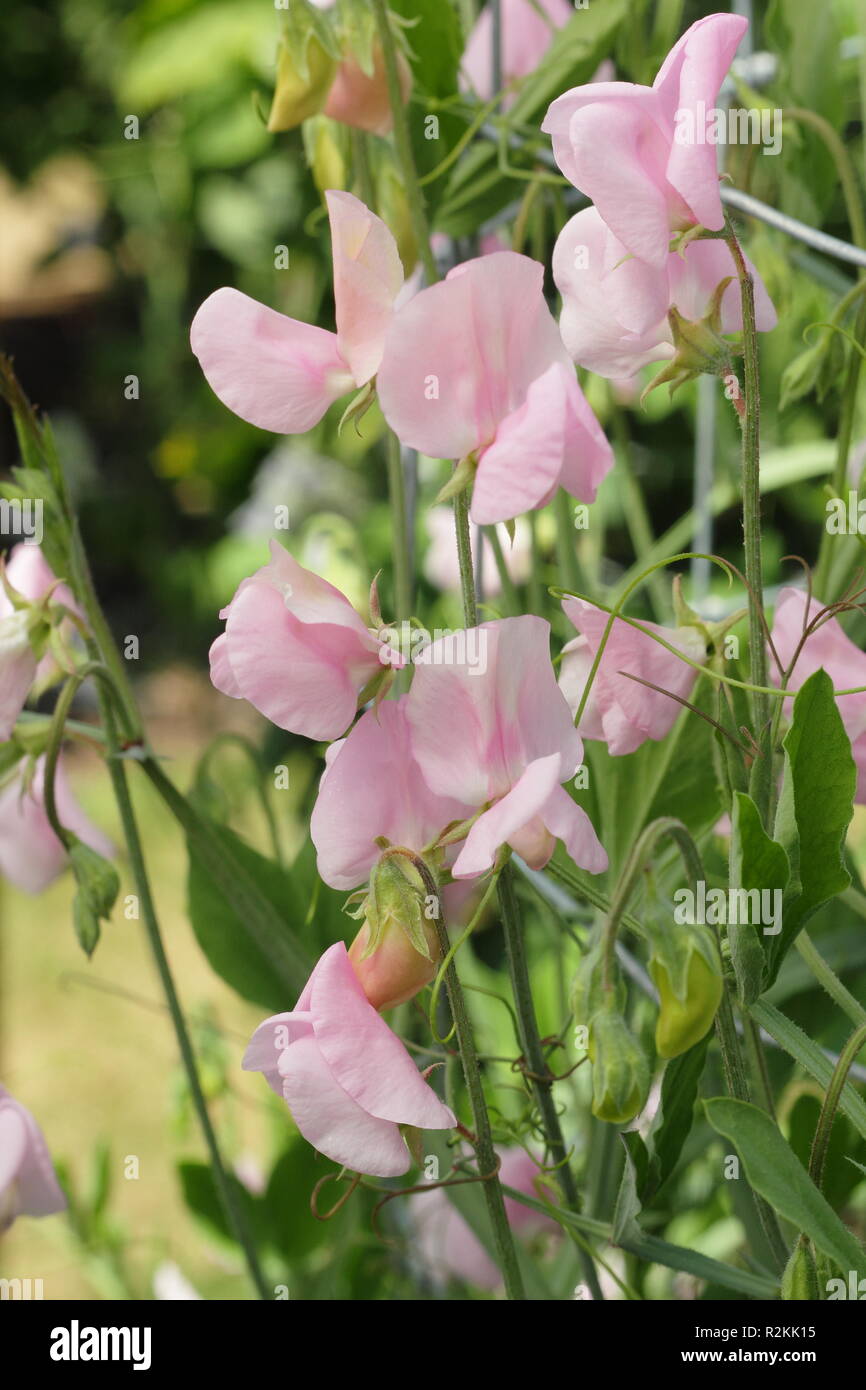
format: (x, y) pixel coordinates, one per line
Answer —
(28, 1184)
(31, 856)
(449, 1247)
(618, 142)
(347, 1079)
(620, 712)
(526, 37)
(282, 375)
(503, 740)
(296, 649)
(614, 308)
(830, 648)
(475, 365)
(373, 786)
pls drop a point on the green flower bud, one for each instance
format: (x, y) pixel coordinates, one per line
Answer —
(620, 1074)
(397, 949)
(800, 1279)
(304, 78)
(688, 998)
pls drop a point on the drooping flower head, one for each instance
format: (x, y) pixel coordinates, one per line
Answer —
(475, 366)
(503, 741)
(621, 712)
(296, 649)
(636, 151)
(281, 374)
(615, 308)
(31, 856)
(346, 1077)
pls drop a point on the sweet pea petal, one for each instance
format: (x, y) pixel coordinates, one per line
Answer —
(521, 468)
(270, 1040)
(693, 72)
(333, 1122)
(272, 371)
(569, 823)
(368, 276)
(501, 824)
(365, 1058)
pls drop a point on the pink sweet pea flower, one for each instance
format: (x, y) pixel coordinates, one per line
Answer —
(502, 739)
(831, 648)
(620, 712)
(17, 668)
(527, 32)
(31, 856)
(372, 786)
(30, 574)
(449, 1247)
(614, 308)
(637, 151)
(295, 648)
(28, 1183)
(347, 1079)
(282, 375)
(475, 365)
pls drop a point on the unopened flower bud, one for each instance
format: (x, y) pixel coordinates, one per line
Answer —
(395, 953)
(305, 73)
(800, 1279)
(360, 99)
(690, 991)
(620, 1074)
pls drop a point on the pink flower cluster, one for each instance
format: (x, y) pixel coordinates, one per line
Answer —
(619, 143)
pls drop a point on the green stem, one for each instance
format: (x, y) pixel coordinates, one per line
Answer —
(566, 551)
(403, 142)
(541, 1079)
(400, 522)
(665, 826)
(509, 589)
(844, 167)
(228, 1199)
(821, 1142)
(828, 978)
(488, 1161)
(464, 557)
(751, 485)
(843, 448)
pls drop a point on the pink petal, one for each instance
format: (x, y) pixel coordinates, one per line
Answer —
(521, 468)
(221, 673)
(373, 786)
(303, 677)
(461, 355)
(270, 370)
(368, 276)
(611, 140)
(333, 1122)
(270, 1040)
(37, 1191)
(501, 824)
(693, 72)
(570, 824)
(367, 1060)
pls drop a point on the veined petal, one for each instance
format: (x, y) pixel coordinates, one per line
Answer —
(368, 276)
(272, 371)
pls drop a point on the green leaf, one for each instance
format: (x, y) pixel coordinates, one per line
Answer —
(676, 1112)
(757, 861)
(435, 43)
(245, 912)
(287, 1218)
(774, 1171)
(815, 809)
(98, 886)
(202, 1198)
(810, 1057)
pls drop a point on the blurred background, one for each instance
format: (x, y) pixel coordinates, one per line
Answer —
(137, 175)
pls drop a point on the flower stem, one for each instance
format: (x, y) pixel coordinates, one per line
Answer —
(821, 1141)
(829, 980)
(233, 1211)
(400, 523)
(751, 484)
(488, 1161)
(464, 557)
(403, 141)
(533, 1052)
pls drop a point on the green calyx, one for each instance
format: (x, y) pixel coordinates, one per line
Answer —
(620, 1072)
(699, 347)
(396, 900)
